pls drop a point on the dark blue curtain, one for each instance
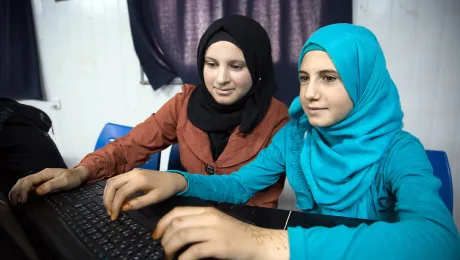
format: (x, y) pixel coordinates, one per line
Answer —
(19, 66)
(166, 33)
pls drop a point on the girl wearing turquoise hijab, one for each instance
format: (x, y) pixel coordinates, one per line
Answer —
(344, 153)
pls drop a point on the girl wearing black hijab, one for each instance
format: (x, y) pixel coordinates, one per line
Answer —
(220, 124)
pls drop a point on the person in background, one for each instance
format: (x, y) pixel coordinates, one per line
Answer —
(344, 153)
(25, 146)
(220, 125)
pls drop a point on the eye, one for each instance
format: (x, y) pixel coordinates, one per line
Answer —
(211, 64)
(236, 66)
(329, 79)
(303, 78)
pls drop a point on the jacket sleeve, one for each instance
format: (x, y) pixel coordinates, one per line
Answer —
(425, 229)
(151, 136)
(239, 186)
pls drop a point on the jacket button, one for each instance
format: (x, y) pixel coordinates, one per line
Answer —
(209, 169)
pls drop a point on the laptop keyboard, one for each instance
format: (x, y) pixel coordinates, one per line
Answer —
(83, 210)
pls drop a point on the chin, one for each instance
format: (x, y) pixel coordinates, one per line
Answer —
(317, 122)
(224, 100)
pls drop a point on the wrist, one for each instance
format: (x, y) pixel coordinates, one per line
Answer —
(181, 182)
(83, 173)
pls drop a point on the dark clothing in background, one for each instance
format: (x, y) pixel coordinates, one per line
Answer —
(25, 146)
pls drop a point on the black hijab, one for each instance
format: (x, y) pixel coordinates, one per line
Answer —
(217, 120)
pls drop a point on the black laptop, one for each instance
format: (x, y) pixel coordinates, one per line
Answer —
(74, 224)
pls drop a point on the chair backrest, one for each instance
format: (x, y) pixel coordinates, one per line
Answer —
(174, 159)
(441, 169)
(111, 132)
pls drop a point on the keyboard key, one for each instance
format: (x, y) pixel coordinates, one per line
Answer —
(97, 249)
(96, 236)
(131, 250)
(140, 245)
(123, 246)
(102, 241)
(90, 194)
(91, 231)
(123, 217)
(114, 225)
(107, 247)
(85, 226)
(77, 205)
(91, 216)
(82, 222)
(110, 234)
(98, 200)
(101, 254)
(69, 210)
(115, 253)
(94, 221)
(82, 208)
(86, 239)
(86, 212)
(100, 212)
(104, 229)
(147, 237)
(128, 222)
(116, 239)
(143, 233)
(121, 229)
(78, 217)
(146, 251)
(91, 204)
(127, 233)
(100, 224)
(99, 191)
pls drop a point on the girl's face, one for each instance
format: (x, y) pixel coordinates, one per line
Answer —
(322, 93)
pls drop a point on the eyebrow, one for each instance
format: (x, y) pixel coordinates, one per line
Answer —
(230, 61)
(322, 71)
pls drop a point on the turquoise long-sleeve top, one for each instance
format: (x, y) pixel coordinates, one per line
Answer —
(415, 223)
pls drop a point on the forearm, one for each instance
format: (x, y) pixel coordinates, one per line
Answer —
(272, 244)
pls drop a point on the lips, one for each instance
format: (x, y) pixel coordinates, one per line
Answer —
(224, 92)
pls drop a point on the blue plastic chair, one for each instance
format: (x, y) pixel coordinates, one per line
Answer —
(111, 132)
(441, 169)
(174, 159)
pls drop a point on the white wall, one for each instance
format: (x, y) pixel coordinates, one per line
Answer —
(89, 64)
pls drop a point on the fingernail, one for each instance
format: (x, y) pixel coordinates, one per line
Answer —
(113, 218)
(126, 207)
(39, 191)
(154, 234)
(109, 213)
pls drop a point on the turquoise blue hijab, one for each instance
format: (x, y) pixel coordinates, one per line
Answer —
(342, 160)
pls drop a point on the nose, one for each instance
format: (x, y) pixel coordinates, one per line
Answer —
(222, 76)
(311, 91)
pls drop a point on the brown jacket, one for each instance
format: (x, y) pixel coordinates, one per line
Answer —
(170, 125)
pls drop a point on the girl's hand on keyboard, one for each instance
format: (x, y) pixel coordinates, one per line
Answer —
(205, 232)
(46, 181)
(157, 186)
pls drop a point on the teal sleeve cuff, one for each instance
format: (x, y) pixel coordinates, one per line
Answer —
(186, 175)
